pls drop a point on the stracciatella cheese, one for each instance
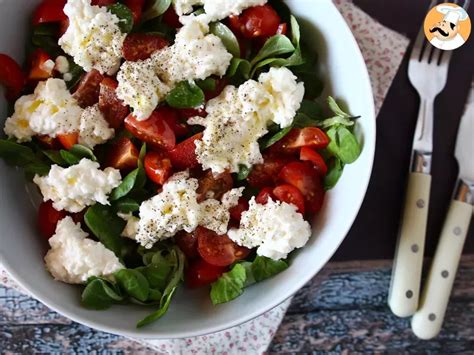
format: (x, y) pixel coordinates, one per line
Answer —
(214, 9)
(275, 229)
(94, 129)
(93, 37)
(194, 55)
(239, 117)
(81, 185)
(176, 208)
(131, 228)
(50, 110)
(73, 258)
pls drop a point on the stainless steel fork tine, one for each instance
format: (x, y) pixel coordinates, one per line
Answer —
(427, 52)
(466, 4)
(420, 39)
(436, 56)
(445, 58)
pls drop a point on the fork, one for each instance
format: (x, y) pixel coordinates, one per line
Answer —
(428, 72)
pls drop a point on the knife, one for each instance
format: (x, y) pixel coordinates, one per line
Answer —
(427, 321)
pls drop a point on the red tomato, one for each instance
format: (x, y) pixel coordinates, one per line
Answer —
(63, 26)
(140, 46)
(218, 250)
(137, 7)
(236, 211)
(265, 174)
(282, 28)
(158, 167)
(48, 218)
(183, 156)
(49, 142)
(122, 155)
(290, 194)
(37, 69)
(200, 273)
(103, 2)
(88, 89)
(187, 242)
(171, 18)
(11, 77)
(49, 11)
(308, 154)
(264, 195)
(68, 140)
(311, 137)
(259, 21)
(110, 105)
(215, 187)
(171, 117)
(154, 131)
(220, 86)
(186, 113)
(304, 177)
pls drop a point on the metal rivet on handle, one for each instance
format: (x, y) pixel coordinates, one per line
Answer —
(409, 294)
(415, 248)
(432, 317)
(420, 203)
(457, 231)
(445, 274)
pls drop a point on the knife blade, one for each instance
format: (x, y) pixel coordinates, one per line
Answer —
(428, 319)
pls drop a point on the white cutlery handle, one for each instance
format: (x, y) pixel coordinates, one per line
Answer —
(408, 262)
(427, 321)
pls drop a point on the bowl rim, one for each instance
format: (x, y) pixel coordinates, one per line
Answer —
(293, 288)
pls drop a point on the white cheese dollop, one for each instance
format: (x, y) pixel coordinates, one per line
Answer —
(275, 229)
(176, 208)
(239, 117)
(50, 110)
(94, 129)
(93, 37)
(131, 228)
(214, 9)
(81, 185)
(73, 258)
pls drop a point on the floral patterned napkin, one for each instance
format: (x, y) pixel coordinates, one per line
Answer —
(383, 51)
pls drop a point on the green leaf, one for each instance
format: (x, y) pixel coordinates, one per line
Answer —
(164, 305)
(239, 66)
(229, 286)
(106, 226)
(16, 154)
(336, 109)
(55, 157)
(126, 205)
(311, 108)
(125, 187)
(185, 95)
(208, 84)
(76, 73)
(336, 121)
(335, 169)
(69, 158)
(243, 173)
(274, 46)
(227, 37)
(295, 31)
(155, 8)
(301, 121)
(343, 144)
(125, 16)
(133, 283)
(37, 168)
(157, 27)
(44, 36)
(264, 268)
(157, 275)
(81, 151)
(268, 142)
(100, 294)
(312, 83)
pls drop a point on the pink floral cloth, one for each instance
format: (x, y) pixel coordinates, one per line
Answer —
(383, 51)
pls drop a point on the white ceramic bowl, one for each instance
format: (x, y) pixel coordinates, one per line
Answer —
(191, 312)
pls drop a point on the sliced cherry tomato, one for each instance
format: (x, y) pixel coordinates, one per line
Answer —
(63, 26)
(38, 70)
(137, 8)
(215, 187)
(88, 89)
(282, 28)
(290, 194)
(304, 177)
(220, 86)
(200, 273)
(218, 250)
(183, 156)
(311, 137)
(264, 195)
(49, 142)
(154, 131)
(11, 77)
(171, 116)
(171, 18)
(48, 218)
(110, 105)
(236, 211)
(122, 155)
(158, 167)
(103, 2)
(186, 113)
(187, 242)
(140, 46)
(259, 21)
(265, 174)
(68, 140)
(49, 11)
(308, 154)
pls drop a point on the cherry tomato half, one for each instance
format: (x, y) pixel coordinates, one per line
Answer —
(187, 242)
(215, 187)
(199, 273)
(236, 211)
(103, 2)
(158, 167)
(264, 195)
(88, 89)
(48, 218)
(183, 156)
(218, 250)
(37, 70)
(68, 140)
(110, 105)
(49, 11)
(171, 18)
(122, 155)
(137, 8)
(311, 137)
(259, 21)
(265, 174)
(308, 154)
(290, 194)
(140, 46)
(11, 77)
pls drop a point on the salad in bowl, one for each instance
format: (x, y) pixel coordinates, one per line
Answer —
(174, 143)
